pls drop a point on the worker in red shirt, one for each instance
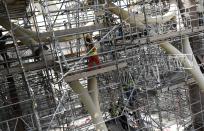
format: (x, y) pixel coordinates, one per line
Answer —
(93, 58)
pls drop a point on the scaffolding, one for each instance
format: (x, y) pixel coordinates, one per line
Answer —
(141, 87)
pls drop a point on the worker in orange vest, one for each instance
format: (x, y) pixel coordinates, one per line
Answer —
(93, 58)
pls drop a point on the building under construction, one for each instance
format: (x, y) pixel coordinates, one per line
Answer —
(101, 65)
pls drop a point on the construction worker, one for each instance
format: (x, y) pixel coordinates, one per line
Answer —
(93, 58)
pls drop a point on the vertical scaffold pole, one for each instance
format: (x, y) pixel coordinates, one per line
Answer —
(30, 91)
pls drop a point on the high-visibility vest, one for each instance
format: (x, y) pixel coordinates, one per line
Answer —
(93, 52)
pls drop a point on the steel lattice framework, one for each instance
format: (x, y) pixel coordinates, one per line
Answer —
(136, 78)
